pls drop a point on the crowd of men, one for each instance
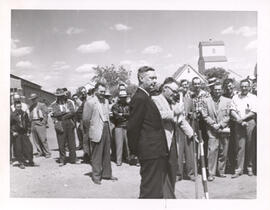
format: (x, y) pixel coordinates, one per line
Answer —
(157, 129)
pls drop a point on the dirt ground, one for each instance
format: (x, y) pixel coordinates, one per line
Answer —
(48, 180)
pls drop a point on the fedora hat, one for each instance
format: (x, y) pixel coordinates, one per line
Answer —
(107, 93)
(211, 81)
(33, 96)
(60, 92)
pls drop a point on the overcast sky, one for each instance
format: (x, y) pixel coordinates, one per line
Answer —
(59, 48)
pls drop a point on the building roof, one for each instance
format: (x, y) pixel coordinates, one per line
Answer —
(180, 71)
(213, 58)
(12, 76)
(211, 43)
(16, 77)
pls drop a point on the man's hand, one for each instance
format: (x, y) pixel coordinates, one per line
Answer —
(244, 124)
(15, 133)
(239, 121)
(178, 109)
(195, 138)
(216, 126)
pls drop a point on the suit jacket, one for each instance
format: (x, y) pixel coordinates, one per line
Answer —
(93, 118)
(219, 115)
(167, 116)
(146, 135)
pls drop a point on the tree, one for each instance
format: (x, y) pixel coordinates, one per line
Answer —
(112, 76)
(217, 72)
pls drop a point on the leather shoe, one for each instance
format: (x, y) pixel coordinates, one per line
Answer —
(21, 166)
(222, 176)
(118, 164)
(61, 164)
(48, 156)
(76, 162)
(96, 182)
(192, 178)
(112, 178)
(236, 175)
(210, 178)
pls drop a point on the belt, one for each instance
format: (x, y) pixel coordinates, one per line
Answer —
(36, 119)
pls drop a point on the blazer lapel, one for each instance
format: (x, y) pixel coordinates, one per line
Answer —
(212, 102)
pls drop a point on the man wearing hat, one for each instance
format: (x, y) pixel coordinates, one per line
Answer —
(120, 112)
(211, 82)
(39, 119)
(63, 111)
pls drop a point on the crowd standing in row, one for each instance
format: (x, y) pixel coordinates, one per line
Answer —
(157, 129)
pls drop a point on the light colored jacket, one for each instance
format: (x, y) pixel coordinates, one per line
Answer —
(212, 116)
(93, 118)
(167, 115)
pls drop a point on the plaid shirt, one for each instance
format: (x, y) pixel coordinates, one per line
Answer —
(197, 100)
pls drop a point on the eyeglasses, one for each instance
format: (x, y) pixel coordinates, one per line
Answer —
(174, 91)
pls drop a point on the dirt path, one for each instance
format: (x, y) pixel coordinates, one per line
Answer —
(73, 181)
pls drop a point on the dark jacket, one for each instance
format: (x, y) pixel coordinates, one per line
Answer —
(120, 114)
(19, 122)
(63, 115)
(146, 135)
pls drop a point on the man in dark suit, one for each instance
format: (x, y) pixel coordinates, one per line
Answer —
(146, 136)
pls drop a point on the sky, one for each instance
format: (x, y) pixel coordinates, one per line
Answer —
(59, 48)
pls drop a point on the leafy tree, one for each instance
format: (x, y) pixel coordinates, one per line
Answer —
(217, 72)
(112, 76)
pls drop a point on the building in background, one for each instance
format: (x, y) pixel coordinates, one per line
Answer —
(187, 72)
(211, 54)
(24, 88)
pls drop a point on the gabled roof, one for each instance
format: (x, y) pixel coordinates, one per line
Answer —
(180, 71)
(213, 58)
(211, 43)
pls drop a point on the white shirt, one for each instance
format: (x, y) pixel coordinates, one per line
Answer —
(244, 104)
(37, 114)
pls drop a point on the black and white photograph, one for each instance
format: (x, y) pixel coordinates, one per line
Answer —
(135, 104)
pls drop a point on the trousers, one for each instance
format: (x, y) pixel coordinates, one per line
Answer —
(185, 152)
(23, 148)
(67, 137)
(101, 158)
(153, 175)
(170, 179)
(217, 153)
(244, 145)
(121, 143)
(39, 136)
